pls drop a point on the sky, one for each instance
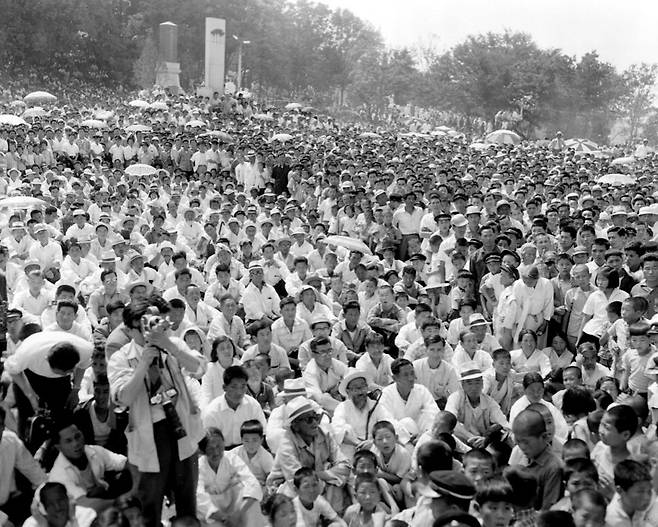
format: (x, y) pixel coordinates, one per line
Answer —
(623, 32)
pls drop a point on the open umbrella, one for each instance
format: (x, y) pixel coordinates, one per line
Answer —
(218, 134)
(443, 128)
(503, 137)
(479, 146)
(16, 103)
(93, 123)
(140, 169)
(293, 106)
(196, 123)
(12, 120)
(616, 179)
(138, 103)
(371, 135)
(158, 105)
(455, 133)
(263, 117)
(21, 202)
(37, 97)
(138, 128)
(281, 137)
(351, 244)
(623, 161)
(103, 115)
(37, 111)
(581, 145)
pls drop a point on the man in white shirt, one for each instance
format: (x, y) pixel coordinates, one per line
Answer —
(231, 409)
(81, 469)
(54, 508)
(410, 403)
(260, 300)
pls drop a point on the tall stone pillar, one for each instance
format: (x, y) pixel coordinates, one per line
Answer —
(215, 55)
(167, 73)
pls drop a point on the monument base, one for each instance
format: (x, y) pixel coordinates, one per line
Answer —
(167, 76)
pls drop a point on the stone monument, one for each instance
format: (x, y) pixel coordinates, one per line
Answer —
(167, 71)
(215, 51)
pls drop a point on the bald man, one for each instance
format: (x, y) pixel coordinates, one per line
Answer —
(534, 440)
(534, 295)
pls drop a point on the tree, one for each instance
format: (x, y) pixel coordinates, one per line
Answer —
(637, 99)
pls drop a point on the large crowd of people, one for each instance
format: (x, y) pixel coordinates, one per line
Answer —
(217, 314)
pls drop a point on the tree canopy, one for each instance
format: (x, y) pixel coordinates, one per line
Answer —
(304, 47)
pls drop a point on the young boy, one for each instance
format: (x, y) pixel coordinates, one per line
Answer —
(634, 360)
(311, 508)
(524, 484)
(258, 386)
(394, 462)
(253, 454)
(618, 425)
(439, 377)
(375, 362)
(261, 331)
(633, 495)
(499, 381)
(494, 502)
(467, 307)
(367, 511)
(479, 465)
(589, 508)
(534, 440)
(579, 474)
(365, 464)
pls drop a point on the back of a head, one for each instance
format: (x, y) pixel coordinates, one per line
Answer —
(630, 472)
(524, 485)
(434, 455)
(555, 519)
(63, 357)
(185, 521)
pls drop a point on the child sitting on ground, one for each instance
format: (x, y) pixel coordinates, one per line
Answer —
(618, 425)
(633, 495)
(365, 463)
(252, 452)
(579, 474)
(494, 502)
(534, 440)
(634, 360)
(479, 465)
(575, 449)
(394, 463)
(588, 508)
(311, 507)
(524, 486)
(367, 511)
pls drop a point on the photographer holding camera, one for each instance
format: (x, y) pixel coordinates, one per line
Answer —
(149, 377)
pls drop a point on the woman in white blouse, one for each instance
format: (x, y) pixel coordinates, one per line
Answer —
(529, 358)
(595, 317)
(222, 355)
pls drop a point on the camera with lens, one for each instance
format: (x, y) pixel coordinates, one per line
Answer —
(166, 399)
(151, 318)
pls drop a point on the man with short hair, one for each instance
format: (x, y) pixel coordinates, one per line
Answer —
(82, 469)
(234, 407)
(648, 287)
(147, 376)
